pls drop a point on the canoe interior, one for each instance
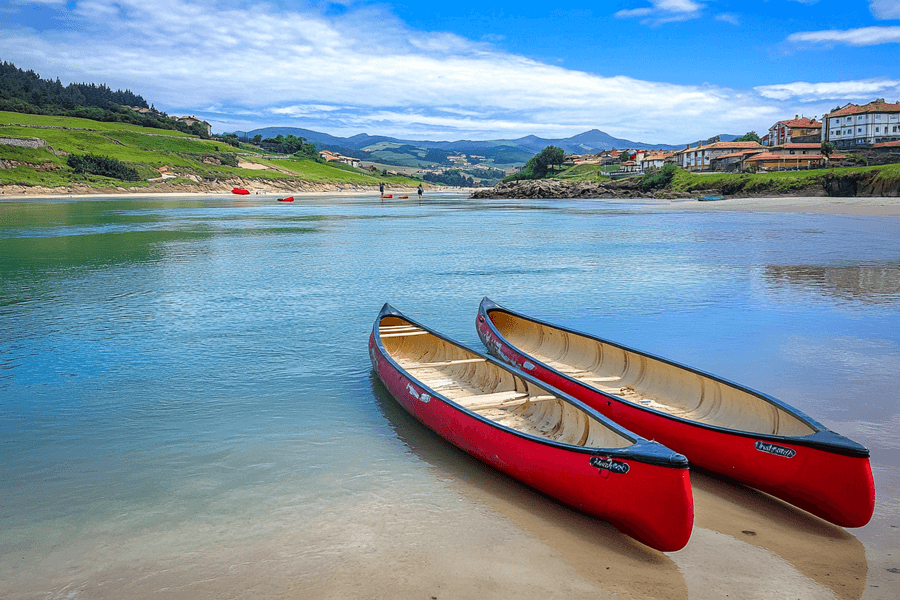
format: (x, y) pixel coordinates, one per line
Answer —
(491, 391)
(648, 381)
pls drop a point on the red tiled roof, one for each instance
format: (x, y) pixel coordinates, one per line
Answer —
(801, 122)
(887, 144)
(877, 106)
(721, 146)
(799, 146)
(741, 153)
(789, 157)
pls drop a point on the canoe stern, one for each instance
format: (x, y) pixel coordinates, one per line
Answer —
(643, 489)
(822, 473)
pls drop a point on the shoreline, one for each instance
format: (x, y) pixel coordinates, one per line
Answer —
(861, 206)
(882, 206)
(326, 190)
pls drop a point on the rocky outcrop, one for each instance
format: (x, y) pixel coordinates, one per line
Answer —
(23, 142)
(553, 188)
(12, 164)
(866, 183)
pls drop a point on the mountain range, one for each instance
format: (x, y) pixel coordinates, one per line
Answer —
(502, 151)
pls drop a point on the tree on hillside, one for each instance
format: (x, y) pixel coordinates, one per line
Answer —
(750, 136)
(827, 149)
(543, 162)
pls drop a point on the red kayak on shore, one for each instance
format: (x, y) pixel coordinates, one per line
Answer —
(288, 199)
(719, 425)
(240, 191)
(534, 433)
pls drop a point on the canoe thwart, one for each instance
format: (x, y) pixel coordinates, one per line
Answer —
(445, 363)
(403, 334)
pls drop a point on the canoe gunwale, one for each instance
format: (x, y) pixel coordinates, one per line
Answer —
(641, 450)
(821, 439)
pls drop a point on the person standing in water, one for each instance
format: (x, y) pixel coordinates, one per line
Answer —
(421, 191)
(381, 189)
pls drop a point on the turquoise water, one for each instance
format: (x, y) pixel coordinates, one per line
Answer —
(180, 372)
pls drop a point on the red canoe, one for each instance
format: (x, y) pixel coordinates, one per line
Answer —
(388, 196)
(240, 191)
(719, 425)
(288, 199)
(534, 433)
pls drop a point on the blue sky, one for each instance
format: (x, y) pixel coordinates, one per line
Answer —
(656, 71)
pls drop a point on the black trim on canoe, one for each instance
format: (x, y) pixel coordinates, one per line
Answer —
(642, 450)
(822, 439)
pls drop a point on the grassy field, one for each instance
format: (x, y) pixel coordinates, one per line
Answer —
(147, 150)
(583, 173)
(780, 182)
(777, 182)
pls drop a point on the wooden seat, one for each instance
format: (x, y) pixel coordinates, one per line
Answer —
(446, 363)
(479, 402)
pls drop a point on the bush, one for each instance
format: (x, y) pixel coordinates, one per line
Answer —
(228, 158)
(451, 177)
(658, 178)
(103, 166)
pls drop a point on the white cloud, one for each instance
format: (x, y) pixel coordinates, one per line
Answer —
(728, 18)
(342, 74)
(837, 90)
(864, 36)
(663, 11)
(885, 9)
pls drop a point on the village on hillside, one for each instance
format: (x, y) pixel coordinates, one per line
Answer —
(871, 131)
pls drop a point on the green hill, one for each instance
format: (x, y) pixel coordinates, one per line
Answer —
(164, 159)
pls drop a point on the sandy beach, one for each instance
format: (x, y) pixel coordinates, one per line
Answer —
(483, 535)
(862, 206)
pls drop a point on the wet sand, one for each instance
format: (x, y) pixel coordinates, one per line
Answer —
(862, 206)
(482, 535)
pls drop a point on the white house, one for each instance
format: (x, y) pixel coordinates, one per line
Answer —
(784, 132)
(853, 125)
(654, 160)
(700, 157)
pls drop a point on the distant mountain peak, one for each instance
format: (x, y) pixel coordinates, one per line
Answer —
(588, 142)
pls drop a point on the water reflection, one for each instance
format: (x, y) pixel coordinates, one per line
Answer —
(799, 538)
(184, 332)
(593, 547)
(875, 284)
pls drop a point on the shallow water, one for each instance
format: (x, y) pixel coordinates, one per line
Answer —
(185, 382)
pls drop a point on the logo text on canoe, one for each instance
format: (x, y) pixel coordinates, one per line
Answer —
(613, 466)
(423, 397)
(775, 449)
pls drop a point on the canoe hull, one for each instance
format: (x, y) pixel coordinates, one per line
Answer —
(650, 503)
(807, 473)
